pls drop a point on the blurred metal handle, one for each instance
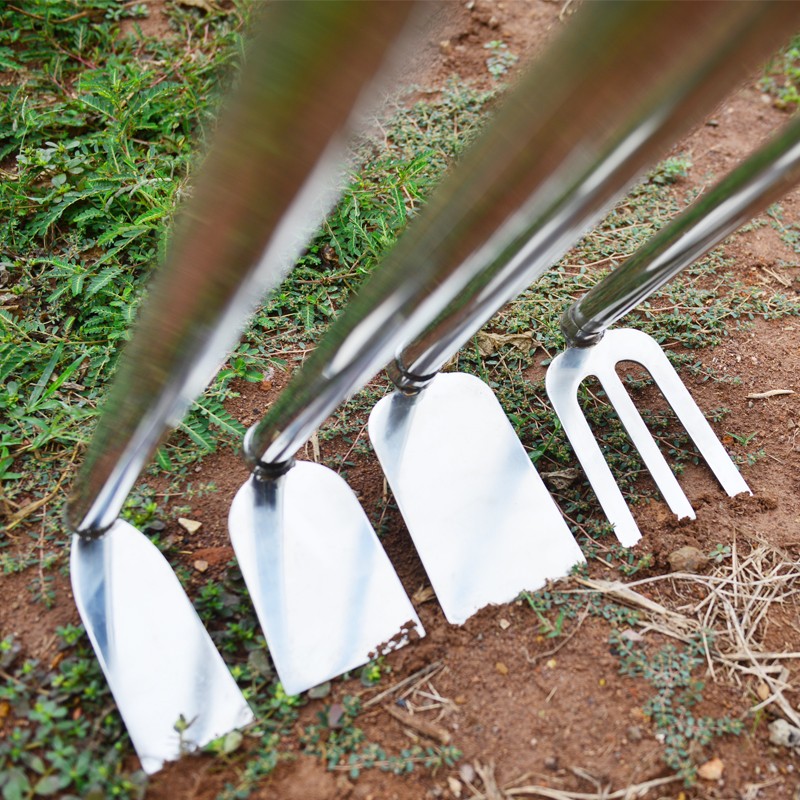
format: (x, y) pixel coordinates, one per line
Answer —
(620, 84)
(763, 178)
(263, 188)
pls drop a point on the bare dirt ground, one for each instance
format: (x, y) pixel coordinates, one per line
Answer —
(556, 713)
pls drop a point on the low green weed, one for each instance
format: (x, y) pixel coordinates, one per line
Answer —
(781, 79)
(500, 60)
(61, 735)
(343, 746)
(677, 692)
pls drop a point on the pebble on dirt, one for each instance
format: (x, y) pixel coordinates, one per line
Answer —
(784, 734)
(467, 773)
(712, 770)
(189, 525)
(687, 559)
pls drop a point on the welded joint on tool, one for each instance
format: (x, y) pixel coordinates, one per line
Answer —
(406, 382)
(267, 471)
(575, 335)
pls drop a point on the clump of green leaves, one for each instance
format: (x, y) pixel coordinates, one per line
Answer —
(671, 672)
(670, 170)
(781, 79)
(343, 745)
(97, 134)
(61, 739)
(500, 60)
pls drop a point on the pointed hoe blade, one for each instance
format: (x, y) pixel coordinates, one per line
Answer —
(565, 375)
(484, 524)
(159, 661)
(325, 592)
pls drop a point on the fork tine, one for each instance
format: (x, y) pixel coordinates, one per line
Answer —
(637, 430)
(688, 412)
(564, 376)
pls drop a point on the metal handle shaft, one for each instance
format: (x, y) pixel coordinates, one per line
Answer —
(621, 82)
(683, 86)
(763, 178)
(263, 188)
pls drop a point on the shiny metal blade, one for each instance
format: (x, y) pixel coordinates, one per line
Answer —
(160, 663)
(326, 594)
(485, 526)
(569, 369)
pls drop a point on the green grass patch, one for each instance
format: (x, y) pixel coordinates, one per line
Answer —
(98, 135)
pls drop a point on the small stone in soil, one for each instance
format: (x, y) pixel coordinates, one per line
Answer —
(501, 668)
(712, 770)
(454, 786)
(260, 663)
(467, 773)
(504, 624)
(687, 559)
(189, 525)
(200, 565)
(551, 763)
(318, 692)
(784, 734)
(335, 716)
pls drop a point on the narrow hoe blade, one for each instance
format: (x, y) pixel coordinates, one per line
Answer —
(566, 373)
(324, 590)
(484, 524)
(171, 686)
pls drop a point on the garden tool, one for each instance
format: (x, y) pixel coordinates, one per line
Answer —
(479, 515)
(563, 132)
(593, 350)
(264, 186)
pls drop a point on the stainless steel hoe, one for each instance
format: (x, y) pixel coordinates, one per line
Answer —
(326, 594)
(593, 350)
(479, 515)
(265, 185)
(475, 240)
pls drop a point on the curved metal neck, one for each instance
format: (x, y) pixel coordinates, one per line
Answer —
(607, 99)
(573, 194)
(764, 177)
(264, 187)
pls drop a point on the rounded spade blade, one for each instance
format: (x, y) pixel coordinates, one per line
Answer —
(482, 520)
(326, 594)
(171, 686)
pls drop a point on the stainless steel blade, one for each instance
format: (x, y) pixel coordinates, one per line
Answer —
(326, 594)
(266, 183)
(565, 375)
(160, 663)
(484, 524)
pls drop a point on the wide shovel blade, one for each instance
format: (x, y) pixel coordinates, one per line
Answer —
(566, 373)
(324, 590)
(170, 684)
(485, 526)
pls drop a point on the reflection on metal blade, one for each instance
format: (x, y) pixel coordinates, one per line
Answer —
(158, 659)
(324, 590)
(484, 524)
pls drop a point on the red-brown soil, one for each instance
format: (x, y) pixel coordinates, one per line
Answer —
(524, 709)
